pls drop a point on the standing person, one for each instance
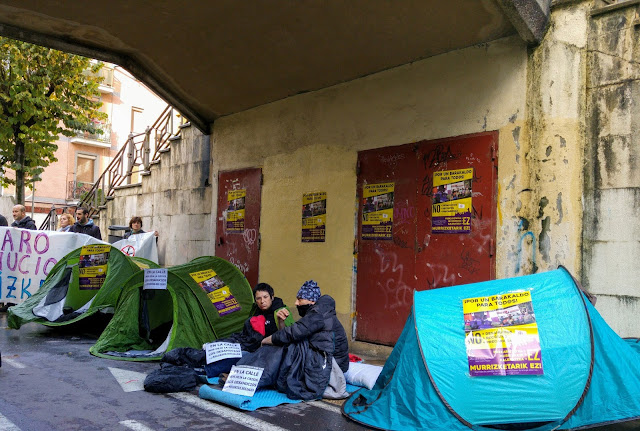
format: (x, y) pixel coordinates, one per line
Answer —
(66, 221)
(21, 219)
(85, 224)
(3, 221)
(136, 227)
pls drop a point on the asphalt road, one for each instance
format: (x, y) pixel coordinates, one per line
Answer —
(50, 382)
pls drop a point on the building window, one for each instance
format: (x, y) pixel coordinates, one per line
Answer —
(85, 168)
(136, 119)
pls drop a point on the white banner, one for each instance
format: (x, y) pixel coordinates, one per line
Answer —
(27, 256)
(140, 245)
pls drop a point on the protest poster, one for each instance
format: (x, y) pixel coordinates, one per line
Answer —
(217, 291)
(27, 257)
(451, 204)
(501, 335)
(235, 211)
(377, 211)
(140, 245)
(243, 380)
(219, 350)
(155, 278)
(93, 265)
(314, 216)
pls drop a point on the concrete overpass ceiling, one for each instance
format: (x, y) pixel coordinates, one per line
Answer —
(215, 58)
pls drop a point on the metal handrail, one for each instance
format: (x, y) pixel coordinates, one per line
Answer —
(133, 158)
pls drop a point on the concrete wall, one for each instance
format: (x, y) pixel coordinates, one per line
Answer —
(310, 143)
(612, 170)
(175, 199)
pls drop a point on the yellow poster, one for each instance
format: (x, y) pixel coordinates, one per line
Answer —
(235, 211)
(501, 335)
(314, 216)
(92, 267)
(377, 211)
(451, 208)
(217, 291)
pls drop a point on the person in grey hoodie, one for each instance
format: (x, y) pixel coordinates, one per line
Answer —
(85, 224)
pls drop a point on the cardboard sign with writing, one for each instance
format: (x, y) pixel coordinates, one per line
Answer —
(243, 380)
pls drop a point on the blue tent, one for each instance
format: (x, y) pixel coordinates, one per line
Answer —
(588, 376)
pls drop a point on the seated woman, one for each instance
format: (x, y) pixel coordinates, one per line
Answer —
(263, 319)
(66, 220)
(268, 305)
(136, 227)
(300, 360)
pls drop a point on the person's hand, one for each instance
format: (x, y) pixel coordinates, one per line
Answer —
(267, 341)
(155, 232)
(282, 314)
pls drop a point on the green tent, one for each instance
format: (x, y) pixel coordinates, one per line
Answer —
(205, 299)
(79, 285)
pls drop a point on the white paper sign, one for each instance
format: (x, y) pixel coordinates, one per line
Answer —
(155, 278)
(243, 380)
(222, 350)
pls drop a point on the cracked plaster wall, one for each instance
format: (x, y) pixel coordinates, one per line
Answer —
(540, 200)
(611, 234)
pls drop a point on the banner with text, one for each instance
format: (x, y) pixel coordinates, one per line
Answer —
(501, 335)
(27, 256)
(140, 245)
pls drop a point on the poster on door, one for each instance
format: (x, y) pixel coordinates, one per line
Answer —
(451, 207)
(314, 216)
(217, 291)
(92, 267)
(235, 211)
(377, 211)
(501, 335)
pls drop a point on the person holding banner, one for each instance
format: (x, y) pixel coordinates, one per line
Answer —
(85, 224)
(21, 219)
(135, 224)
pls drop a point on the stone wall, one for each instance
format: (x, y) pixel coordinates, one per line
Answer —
(611, 236)
(175, 200)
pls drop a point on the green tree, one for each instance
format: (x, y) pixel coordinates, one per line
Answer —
(44, 93)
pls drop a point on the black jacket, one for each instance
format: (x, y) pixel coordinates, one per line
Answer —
(25, 223)
(271, 324)
(3, 221)
(87, 229)
(323, 330)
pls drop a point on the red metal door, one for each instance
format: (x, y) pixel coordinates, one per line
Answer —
(238, 220)
(423, 253)
(386, 266)
(464, 254)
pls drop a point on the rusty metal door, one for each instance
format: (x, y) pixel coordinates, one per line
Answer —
(424, 251)
(238, 220)
(385, 278)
